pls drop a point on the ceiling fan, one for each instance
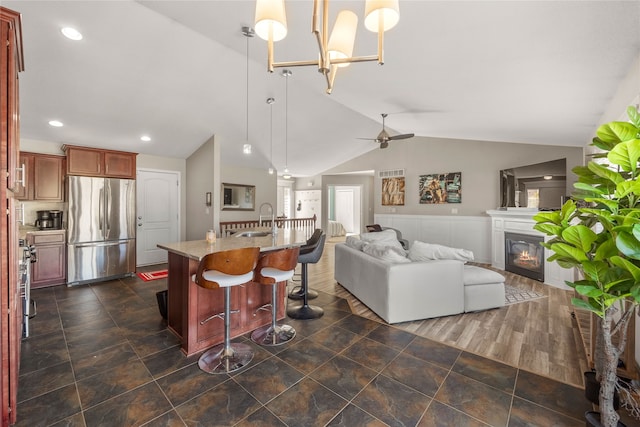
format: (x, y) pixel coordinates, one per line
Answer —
(383, 137)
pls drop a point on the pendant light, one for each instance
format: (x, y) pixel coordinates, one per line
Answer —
(248, 33)
(270, 101)
(286, 73)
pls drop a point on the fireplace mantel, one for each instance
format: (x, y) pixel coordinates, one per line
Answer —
(521, 221)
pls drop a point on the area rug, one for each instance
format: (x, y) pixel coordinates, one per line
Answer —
(514, 295)
(153, 275)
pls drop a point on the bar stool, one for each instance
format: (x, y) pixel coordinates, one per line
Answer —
(224, 270)
(312, 256)
(299, 292)
(274, 267)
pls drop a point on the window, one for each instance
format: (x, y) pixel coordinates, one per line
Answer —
(533, 198)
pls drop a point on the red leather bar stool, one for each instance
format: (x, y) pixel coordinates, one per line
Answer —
(224, 270)
(274, 267)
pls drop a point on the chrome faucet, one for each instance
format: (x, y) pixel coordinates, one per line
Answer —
(273, 216)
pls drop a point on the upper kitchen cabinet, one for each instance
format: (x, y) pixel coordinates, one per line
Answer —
(43, 177)
(96, 162)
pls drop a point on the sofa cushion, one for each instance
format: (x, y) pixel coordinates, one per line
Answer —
(386, 252)
(421, 251)
(473, 275)
(355, 243)
(389, 237)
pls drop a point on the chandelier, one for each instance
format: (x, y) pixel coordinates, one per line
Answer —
(336, 50)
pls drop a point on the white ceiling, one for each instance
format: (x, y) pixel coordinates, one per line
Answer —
(539, 72)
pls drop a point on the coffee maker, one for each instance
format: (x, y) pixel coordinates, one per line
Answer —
(49, 220)
(56, 219)
(44, 220)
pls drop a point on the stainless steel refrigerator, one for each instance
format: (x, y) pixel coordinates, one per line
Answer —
(101, 232)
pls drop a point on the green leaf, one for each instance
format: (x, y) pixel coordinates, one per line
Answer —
(589, 291)
(623, 189)
(596, 271)
(552, 217)
(603, 145)
(606, 250)
(605, 172)
(634, 116)
(628, 245)
(636, 231)
(549, 229)
(580, 236)
(568, 251)
(610, 204)
(626, 154)
(580, 303)
(589, 189)
(617, 132)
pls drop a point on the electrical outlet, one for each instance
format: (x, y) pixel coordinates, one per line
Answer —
(454, 210)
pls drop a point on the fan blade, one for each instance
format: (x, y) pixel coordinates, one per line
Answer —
(403, 136)
(369, 139)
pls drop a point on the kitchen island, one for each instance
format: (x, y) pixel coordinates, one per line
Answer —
(188, 303)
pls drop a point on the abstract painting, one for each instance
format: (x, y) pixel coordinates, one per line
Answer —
(393, 191)
(437, 188)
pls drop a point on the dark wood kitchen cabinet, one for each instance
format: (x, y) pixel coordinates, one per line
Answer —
(96, 162)
(11, 63)
(44, 177)
(51, 267)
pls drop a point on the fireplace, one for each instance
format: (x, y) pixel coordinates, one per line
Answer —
(524, 255)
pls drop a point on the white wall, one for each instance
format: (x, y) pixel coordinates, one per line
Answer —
(201, 178)
(266, 190)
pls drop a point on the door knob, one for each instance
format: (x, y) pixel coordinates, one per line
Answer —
(139, 217)
(139, 224)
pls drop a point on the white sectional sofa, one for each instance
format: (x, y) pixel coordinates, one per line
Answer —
(413, 290)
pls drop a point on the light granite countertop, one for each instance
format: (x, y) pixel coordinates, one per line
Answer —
(197, 249)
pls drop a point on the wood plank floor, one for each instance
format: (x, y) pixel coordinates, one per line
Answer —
(539, 336)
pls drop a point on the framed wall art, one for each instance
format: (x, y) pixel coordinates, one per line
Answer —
(393, 191)
(438, 188)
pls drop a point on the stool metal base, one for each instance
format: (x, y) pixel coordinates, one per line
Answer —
(305, 312)
(270, 336)
(222, 360)
(299, 294)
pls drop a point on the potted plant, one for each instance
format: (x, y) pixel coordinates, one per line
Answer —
(600, 237)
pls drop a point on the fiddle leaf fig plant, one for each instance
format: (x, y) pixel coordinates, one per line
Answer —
(597, 232)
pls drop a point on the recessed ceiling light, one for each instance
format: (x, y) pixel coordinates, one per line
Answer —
(145, 138)
(56, 123)
(71, 33)
(548, 177)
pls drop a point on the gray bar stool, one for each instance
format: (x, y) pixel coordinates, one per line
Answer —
(224, 270)
(298, 293)
(274, 267)
(309, 255)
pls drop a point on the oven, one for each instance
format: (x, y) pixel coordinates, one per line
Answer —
(27, 255)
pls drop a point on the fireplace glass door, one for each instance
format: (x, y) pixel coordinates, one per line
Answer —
(524, 255)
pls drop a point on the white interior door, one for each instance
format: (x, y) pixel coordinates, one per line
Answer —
(347, 208)
(157, 214)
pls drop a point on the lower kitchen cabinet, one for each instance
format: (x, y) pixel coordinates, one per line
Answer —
(51, 250)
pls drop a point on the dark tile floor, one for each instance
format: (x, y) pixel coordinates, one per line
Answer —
(100, 355)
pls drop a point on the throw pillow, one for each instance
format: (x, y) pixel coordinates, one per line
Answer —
(355, 243)
(421, 251)
(386, 253)
(388, 237)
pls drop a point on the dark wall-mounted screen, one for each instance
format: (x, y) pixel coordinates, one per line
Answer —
(540, 185)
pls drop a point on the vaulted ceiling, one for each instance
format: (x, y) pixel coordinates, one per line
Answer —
(540, 72)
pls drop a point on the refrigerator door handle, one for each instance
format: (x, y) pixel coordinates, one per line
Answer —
(101, 213)
(94, 244)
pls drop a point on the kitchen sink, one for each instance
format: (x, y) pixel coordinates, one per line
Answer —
(252, 233)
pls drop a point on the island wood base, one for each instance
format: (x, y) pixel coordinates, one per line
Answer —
(188, 304)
